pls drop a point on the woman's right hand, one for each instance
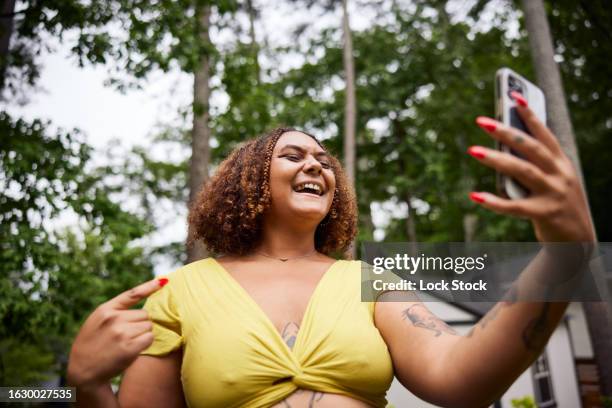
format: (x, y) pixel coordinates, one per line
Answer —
(111, 338)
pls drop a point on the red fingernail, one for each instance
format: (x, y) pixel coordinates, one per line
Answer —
(518, 98)
(477, 197)
(477, 152)
(162, 281)
(487, 124)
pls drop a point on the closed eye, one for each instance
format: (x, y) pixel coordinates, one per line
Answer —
(295, 158)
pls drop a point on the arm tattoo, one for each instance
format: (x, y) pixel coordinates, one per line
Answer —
(535, 334)
(509, 299)
(489, 317)
(289, 333)
(423, 318)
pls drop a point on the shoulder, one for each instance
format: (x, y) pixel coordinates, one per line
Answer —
(180, 278)
(185, 284)
(193, 267)
(351, 263)
(345, 267)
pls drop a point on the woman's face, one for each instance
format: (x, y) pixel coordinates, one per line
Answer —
(302, 182)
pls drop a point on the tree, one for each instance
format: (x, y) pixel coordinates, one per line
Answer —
(163, 35)
(7, 14)
(424, 82)
(200, 138)
(581, 34)
(50, 277)
(350, 106)
(549, 78)
(24, 34)
(350, 98)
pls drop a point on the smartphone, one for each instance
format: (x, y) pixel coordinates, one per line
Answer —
(506, 81)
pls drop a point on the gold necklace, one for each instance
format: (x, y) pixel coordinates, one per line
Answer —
(286, 259)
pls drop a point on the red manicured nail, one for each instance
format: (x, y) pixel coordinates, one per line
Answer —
(487, 124)
(477, 152)
(518, 98)
(477, 197)
(162, 281)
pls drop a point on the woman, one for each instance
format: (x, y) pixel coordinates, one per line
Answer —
(276, 321)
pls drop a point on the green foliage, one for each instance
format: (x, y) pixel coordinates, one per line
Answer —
(153, 35)
(525, 402)
(250, 111)
(23, 363)
(425, 79)
(52, 277)
(581, 31)
(36, 21)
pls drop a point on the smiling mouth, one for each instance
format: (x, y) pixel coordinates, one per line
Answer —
(309, 189)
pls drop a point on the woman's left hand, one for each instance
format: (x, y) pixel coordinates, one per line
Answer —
(556, 205)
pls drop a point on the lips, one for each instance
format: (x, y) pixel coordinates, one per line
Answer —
(304, 194)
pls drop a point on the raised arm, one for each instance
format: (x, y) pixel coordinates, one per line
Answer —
(442, 367)
(451, 370)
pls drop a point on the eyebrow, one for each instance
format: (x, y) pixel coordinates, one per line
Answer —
(302, 150)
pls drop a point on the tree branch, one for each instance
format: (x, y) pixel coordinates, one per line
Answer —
(14, 13)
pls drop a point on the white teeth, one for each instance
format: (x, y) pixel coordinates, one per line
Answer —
(312, 186)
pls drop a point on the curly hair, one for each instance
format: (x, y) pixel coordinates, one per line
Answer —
(227, 214)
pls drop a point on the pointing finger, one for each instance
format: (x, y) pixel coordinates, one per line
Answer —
(130, 297)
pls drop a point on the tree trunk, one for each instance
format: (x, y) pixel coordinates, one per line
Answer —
(406, 196)
(7, 10)
(411, 226)
(410, 221)
(549, 79)
(470, 224)
(350, 104)
(549, 76)
(350, 101)
(254, 45)
(200, 149)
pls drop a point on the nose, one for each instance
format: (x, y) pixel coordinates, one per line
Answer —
(312, 165)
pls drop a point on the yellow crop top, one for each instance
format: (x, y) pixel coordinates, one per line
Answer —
(233, 356)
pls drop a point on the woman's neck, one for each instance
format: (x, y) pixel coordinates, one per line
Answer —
(283, 241)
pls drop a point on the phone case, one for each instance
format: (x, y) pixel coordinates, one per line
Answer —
(506, 80)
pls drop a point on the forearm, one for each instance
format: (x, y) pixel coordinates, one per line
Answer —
(514, 332)
(503, 344)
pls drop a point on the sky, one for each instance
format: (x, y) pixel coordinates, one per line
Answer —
(73, 97)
